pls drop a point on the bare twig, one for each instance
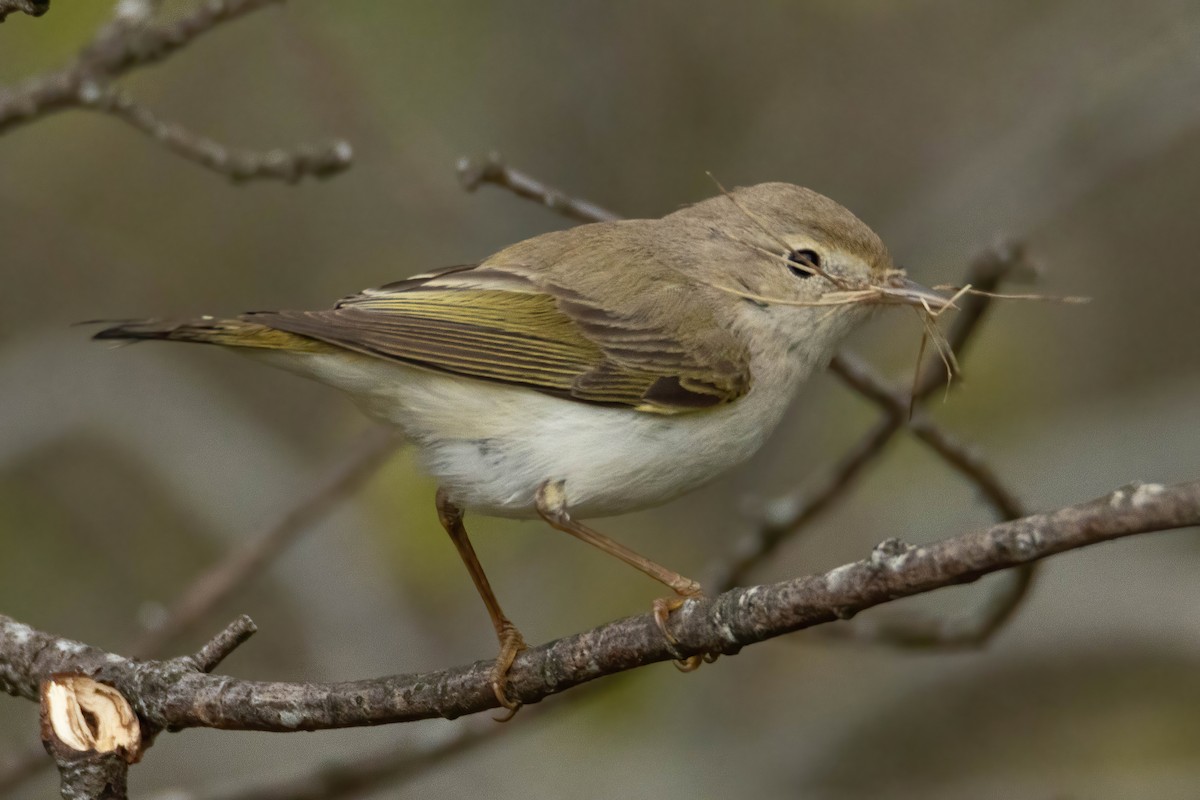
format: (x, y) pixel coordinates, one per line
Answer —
(135, 39)
(493, 170)
(859, 376)
(787, 516)
(235, 570)
(238, 164)
(220, 646)
(34, 8)
(391, 767)
(173, 694)
(925, 632)
(238, 566)
(1006, 260)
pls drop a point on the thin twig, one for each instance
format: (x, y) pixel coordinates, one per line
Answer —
(493, 170)
(238, 566)
(115, 51)
(217, 649)
(34, 8)
(858, 375)
(237, 164)
(1006, 260)
(391, 767)
(356, 776)
(785, 518)
(173, 694)
(133, 39)
(973, 630)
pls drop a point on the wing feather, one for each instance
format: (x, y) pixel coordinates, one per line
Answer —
(496, 324)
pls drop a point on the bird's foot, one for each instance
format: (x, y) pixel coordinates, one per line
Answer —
(685, 590)
(511, 643)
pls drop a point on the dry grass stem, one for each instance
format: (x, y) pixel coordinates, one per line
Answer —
(1048, 298)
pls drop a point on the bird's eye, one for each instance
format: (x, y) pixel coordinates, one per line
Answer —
(806, 262)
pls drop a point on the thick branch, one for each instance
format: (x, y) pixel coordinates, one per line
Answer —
(786, 518)
(96, 776)
(237, 569)
(93, 735)
(173, 694)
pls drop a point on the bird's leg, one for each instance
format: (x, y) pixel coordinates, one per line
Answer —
(551, 503)
(511, 642)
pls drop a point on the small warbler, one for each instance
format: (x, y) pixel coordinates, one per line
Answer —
(591, 371)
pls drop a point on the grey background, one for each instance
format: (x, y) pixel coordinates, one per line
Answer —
(1072, 125)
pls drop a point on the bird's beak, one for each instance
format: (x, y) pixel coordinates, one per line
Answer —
(900, 289)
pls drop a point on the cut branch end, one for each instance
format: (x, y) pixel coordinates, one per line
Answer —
(83, 716)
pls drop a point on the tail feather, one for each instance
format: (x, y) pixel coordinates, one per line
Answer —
(209, 330)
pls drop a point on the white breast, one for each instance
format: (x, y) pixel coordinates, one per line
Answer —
(490, 446)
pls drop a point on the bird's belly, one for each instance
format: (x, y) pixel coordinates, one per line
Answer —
(490, 446)
(611, 461)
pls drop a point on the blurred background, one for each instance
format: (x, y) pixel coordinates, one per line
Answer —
(1073, 126)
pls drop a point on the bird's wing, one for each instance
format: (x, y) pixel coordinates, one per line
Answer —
(496, 323)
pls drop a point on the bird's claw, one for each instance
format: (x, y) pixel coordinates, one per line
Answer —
(511, 643)
(663, 606)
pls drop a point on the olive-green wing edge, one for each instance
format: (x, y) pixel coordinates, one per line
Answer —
(497, 325)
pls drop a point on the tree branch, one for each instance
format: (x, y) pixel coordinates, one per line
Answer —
(224, 643)
(34, 8)
(786, 518)
(133, 39)
(390, 767)
(238, 567)
(241, 564)
(93, 735)
(859, 376)
(493, 170)
(237, 164)
(174, 694)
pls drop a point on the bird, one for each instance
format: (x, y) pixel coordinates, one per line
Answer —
(592, 371)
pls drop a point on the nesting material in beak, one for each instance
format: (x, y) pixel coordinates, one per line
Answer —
(902, 290)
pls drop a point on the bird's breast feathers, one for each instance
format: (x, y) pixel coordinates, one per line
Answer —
(491, 445)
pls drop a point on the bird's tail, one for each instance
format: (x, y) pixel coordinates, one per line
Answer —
(209, 330)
